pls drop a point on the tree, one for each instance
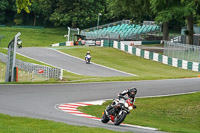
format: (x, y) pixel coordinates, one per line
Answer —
(191, 10)
(3, 6)
(23, 4)
(165, 11)
(47, 8)
(115, 10)
(76, 13)
(35, 8)
(135, 10)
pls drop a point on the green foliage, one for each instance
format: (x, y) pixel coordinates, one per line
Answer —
(76, 13)
(3, 4)
(84, 13)
(23, 4)
(164, 9)
(115, 10)
(136, 10)
(18, 21)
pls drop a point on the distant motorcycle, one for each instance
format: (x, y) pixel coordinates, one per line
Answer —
(118, 112)
(87, 59)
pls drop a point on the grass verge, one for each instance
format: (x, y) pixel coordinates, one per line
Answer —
(145, 69)
(176, 114)
(9, 124)
(33, 37)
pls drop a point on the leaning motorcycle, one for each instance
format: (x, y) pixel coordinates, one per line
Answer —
(117, 114)
(87, 59)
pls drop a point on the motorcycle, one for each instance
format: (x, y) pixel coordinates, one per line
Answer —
(120, 108)
(87, 59)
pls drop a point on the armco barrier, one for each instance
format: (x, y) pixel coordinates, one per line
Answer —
(194, 66)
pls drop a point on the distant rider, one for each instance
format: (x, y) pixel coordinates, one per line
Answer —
(130, 93)
(88, 53)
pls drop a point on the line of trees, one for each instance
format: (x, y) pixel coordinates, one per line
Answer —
(84, 13)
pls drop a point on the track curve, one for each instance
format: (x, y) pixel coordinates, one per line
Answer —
(38, 101)
(69, 63)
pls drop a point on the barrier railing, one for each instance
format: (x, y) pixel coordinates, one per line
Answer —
(39, 70)
(182, 51)
(184, 64)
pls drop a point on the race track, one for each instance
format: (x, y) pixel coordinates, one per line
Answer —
(39, 101)
(69, 63)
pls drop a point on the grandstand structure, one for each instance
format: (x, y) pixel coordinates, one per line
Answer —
(121, 30)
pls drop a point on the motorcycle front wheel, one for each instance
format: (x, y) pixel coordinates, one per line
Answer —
(104, 118)
(120, 118)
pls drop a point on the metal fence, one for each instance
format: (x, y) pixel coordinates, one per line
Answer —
(182, 51)
(39, 70)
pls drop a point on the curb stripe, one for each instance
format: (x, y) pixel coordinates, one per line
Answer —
(72, 109)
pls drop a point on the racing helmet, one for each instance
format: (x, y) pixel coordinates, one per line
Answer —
(132, 92)
(88, 52)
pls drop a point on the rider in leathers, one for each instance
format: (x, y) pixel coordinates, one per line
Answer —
(130, 93)
(88, 53)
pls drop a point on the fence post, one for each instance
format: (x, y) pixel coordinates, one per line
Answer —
(32, 77)
(47, 73)
(61, 74)
(2, 74)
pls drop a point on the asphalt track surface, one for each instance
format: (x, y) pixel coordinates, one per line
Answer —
(69, 63)
(38, 101)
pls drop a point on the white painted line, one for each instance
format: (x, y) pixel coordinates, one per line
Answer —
(95, 63)
(169, 94)
(141, 127)
(97, 102)
(48, 64)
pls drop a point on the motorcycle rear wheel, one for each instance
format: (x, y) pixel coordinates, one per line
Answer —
(120, 118)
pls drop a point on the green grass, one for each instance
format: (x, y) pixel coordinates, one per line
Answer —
(176, 114)
(33, 37)
(145, 69)
(9, 124)
(2, 72)
(23, 76)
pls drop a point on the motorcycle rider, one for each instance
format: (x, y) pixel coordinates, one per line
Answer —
(130, 93)
(88, 53)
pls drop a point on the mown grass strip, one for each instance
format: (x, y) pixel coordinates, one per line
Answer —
(9, 124)
(33, 37)
(145, 69)
(171, 113)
